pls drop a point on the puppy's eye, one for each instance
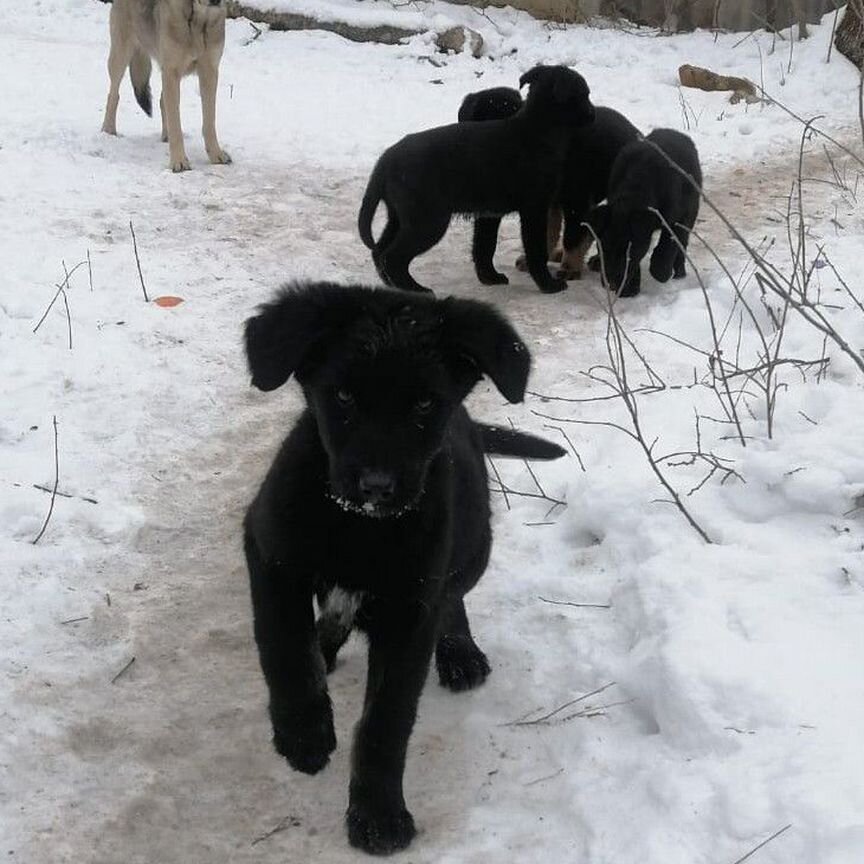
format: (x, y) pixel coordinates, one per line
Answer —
(344, 397)
(424, 405)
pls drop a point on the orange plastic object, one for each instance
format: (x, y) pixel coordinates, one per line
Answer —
(168, 300)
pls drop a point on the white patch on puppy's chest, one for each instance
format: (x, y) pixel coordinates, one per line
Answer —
(343, 605)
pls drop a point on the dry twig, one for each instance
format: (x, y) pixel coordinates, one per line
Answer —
(38, 537)
(138, 262)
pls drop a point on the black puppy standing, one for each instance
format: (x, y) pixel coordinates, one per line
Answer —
(490, 169)
(591, 152)
(378, 498)
(642, 182)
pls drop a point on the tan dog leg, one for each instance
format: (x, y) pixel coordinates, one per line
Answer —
(118, 61)
(208, 80)
(164, 122)
(553, 233)
(573, 260)
(171, 107)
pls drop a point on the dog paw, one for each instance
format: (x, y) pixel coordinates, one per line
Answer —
(461, 664)
(219, 157)
(679, 272)
(557, 254)
(379, 833)
(492, 277)
(660, 272)
(182, 164)
(567, 274)
(305, 738)
(522, 264)
(553, 286)
(109, 130)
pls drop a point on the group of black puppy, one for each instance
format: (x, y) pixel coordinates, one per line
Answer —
(553, 155)
(377, 504)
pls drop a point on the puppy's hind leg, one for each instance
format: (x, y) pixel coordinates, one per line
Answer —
(461, 664)
(408, 243)
(483, 250)
(663, 257)
(682, 232)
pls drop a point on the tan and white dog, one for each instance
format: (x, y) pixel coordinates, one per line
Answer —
(182, 36)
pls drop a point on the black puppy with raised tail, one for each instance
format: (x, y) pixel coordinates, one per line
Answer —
(489, 169)
(642, 185)
(378, 504)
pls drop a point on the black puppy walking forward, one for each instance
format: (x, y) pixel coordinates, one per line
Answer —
(378, 504)
(490, 168)
(643, 184)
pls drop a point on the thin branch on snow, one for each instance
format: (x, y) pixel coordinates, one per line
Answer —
(552, 776)
(54, 490)
(755, 849)
(284, 824)
(60, 288)
(123, 670)
(138, 262)
(545, 718)
(64, 494)
(580, 605)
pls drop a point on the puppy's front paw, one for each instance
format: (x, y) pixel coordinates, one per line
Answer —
(461, 664)
(305, 737)
(379, 833)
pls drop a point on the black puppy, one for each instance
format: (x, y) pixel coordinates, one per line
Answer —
(591, 152)
(642, 182)
(378, 504)
(489, 168)
(494, 103)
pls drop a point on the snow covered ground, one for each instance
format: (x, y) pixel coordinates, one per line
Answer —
(735, 697)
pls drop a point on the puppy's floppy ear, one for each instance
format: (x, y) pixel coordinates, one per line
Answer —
(284, 333)
(532, 75)
(482, 342)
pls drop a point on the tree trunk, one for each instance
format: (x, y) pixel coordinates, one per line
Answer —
(849, 38)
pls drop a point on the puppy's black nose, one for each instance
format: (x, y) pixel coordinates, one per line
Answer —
(377, 487)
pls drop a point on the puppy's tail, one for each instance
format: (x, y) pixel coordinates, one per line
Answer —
(371, 198)
(139, 72)
(501, 441)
